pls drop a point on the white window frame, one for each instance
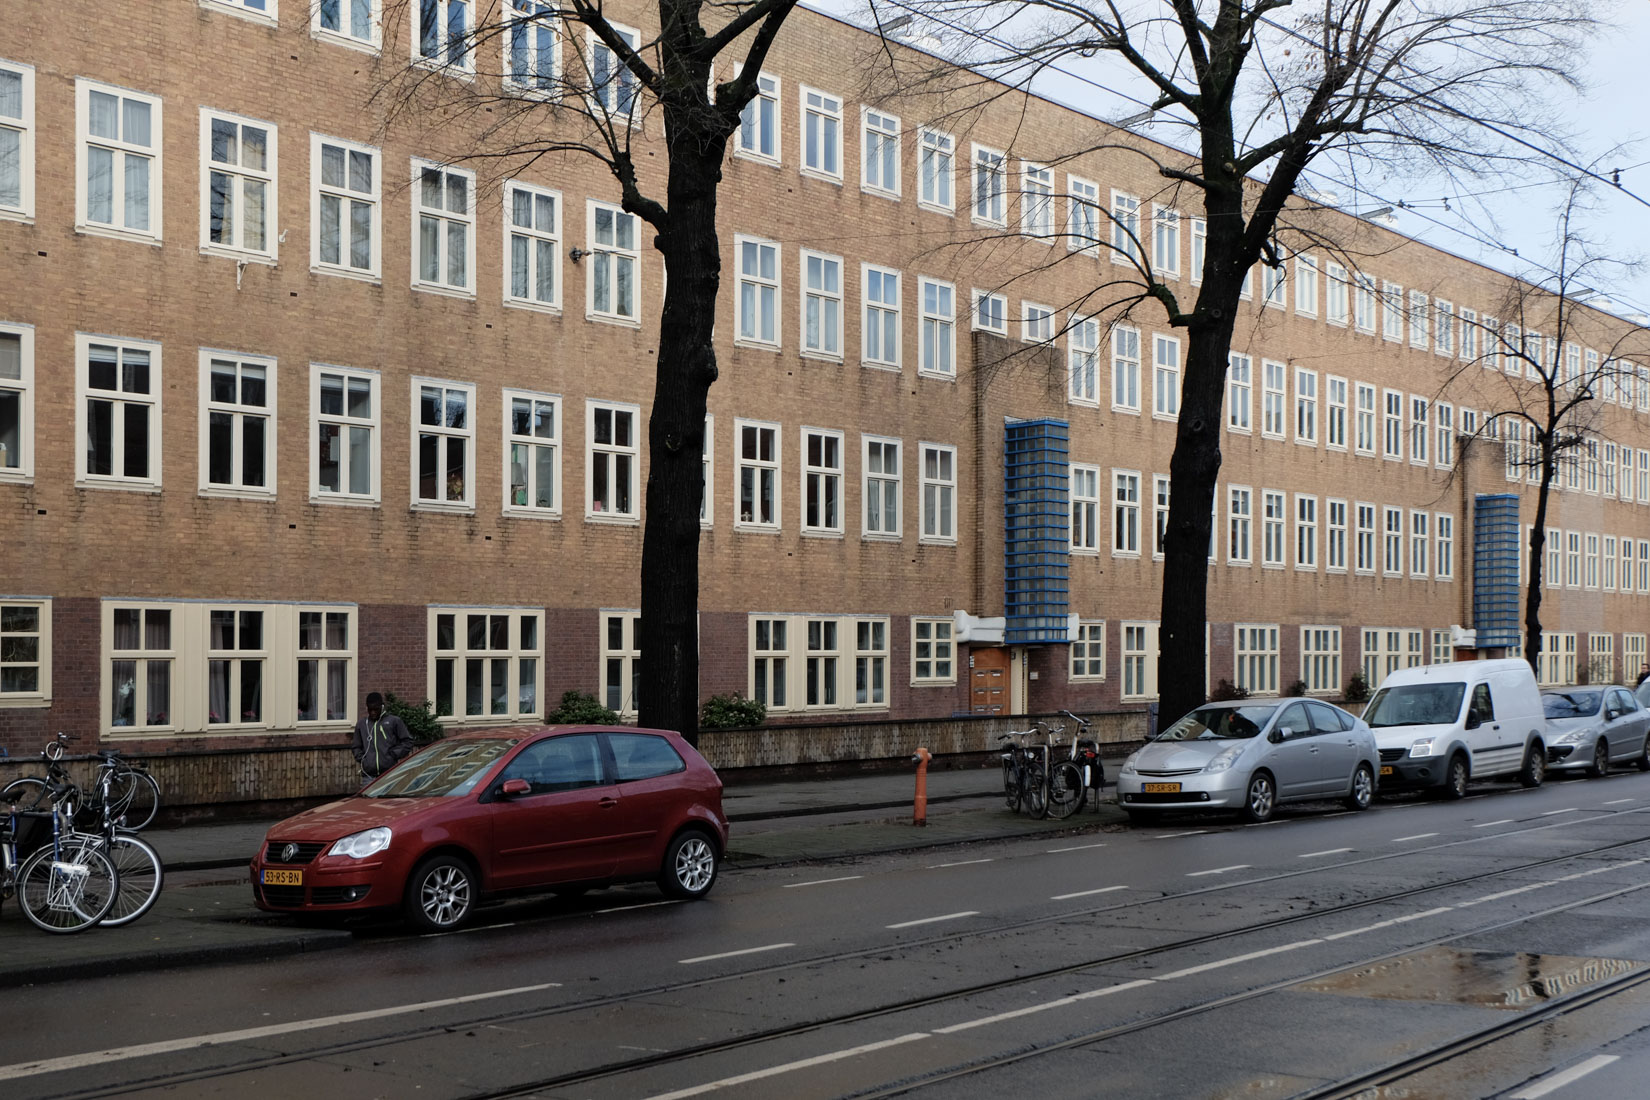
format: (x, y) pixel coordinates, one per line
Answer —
(625, 659)
(1306, 533)
(1082, 215)
(1088, 652)
(513, 653)
(1274, 399)
(937, 337)
(818, 478)
(443, 435)
(762, 470)
(1240, 522)
(1240, 393)
(1037, 217)
(1306, 407)
(1335, 535)
(446, 221)
(241, 177)
(1274, 537)
(1392, 312)
(1419, 316)
(1336, 295)
(1366, 412)
(1443, 328)
(1166, 374)
(757, 296)
(616, 254)
(41, 694)
(533, 239)
(1160, 517)
(443, 42)
(527, 25)
(346, 195)
(23, 126)
(933, 652)
(764, 107)
(1125, 369)
(1365, 297)
(1306, 285)
(1165, 242)
(936, 489)
(609, 454)
(619, 94)
(825, 298)
(996, 317)
(1125, 513)
(531, 439)
(936, 170)
(151, 400)
(372, 424)
(1083, 361)
(23, 387)
(1256, 654)
(1336, 394)
(1321, 659)
(1420, 430)
(1125, 228)
(239, 413)
(988, 169)
(1274, 291)
(1084, 511)
(1036, 322)
(341, 37)
(707, 474)
(121, 149)
(1138, 661)
(1590, 569)
(1420, 544)
(1443, 564)
(1200, 247)
(882, 485)
(870, 668)
(1392, 425)
(876, 314)
(879, 152)
(821, 134)
(1392, 541)
(1366, 539)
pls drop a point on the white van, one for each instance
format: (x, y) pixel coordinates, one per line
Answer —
(1438, 726)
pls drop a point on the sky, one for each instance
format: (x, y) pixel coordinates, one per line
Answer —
(1610, 113)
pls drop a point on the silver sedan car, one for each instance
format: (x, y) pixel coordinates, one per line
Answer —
(1249, 755)
(1594, 727)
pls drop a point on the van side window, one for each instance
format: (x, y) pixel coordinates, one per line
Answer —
(1482, 704)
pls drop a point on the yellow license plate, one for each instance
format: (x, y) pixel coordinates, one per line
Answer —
(1161, 788)
(1386, 769)
(283, 878)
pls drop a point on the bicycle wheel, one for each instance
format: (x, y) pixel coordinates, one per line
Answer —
(70, 892)
(1012, 792)
(1065, 790)
(1034, 803)
(138, 873)
(133, 795)
(29, 793)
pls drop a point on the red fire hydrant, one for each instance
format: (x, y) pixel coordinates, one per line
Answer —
(919, 813)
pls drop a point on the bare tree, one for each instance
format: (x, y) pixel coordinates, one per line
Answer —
(558, 80)
(1260, 90)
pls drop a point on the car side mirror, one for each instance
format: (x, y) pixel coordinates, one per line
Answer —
(1277, 735)
(1473, 720)
(513, 787)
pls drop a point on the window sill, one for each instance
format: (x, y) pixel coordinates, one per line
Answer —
(892, 539)
(239, 12)
(229, 493)
(1085, 551)
(16, 477)
(935, 208)
(339, 499)
(757, 158)
(1172, 418)
(757, 345)
(1125, 410)
(828, 536)
(438, 508)
(612, 319)
(879, 192)
(938, 375)
(987, 223)
(237, 255)
(754, 529)
(25, 702)
(823, 177)
(347, 273)
(934, 541)
(344, 40)
(990, 331)
(612, 519)
(443, 291)
(531, 513)
(114, 234)
(934, 683)
(888, 368)
(83, 482)
(443, 68)
(26, 217)
(820, 356)
(549, 308)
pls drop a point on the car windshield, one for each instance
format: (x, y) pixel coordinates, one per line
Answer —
(1416, 705)
(1571, 704)
(445, 769)
(1219, 724)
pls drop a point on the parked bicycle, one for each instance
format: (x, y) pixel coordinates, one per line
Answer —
(123, 790)
(1063, 788)
(1033, 780)
(1016, 760)
(138, 870)
(63, 886)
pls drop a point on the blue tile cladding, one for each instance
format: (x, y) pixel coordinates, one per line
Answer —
(1495, 569)
(1037, 537)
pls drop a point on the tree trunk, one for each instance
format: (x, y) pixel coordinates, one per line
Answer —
(1538, 541)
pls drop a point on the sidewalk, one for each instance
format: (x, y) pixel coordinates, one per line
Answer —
(205, 913)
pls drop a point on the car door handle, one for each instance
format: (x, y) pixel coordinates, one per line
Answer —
(608, 803)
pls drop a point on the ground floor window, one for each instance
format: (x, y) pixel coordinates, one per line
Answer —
(933, 652)
(1601, 659)
(815, 662)
(621, 660)
(1139, 660)
(25, 652)
(1387, 649)
(1321, 659)
(1633, 652)
(486, 663)
(1257, 658)
(1088, 650)
(1558, 658)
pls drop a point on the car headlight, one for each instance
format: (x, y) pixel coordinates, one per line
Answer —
(1225, 760)
(1576, 737)
(363, 844)
(1421, 747)
(1128, 767)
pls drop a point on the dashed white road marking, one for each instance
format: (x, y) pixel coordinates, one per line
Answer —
(732, 954)
(821, 881)
(639, 905)
(959, 863)
(1619, 801)
(1218, 870)
(1172, 836)
(1218, 963)
(1388, 923)
(1556, 1081)
(1325, 852)
(985, 1021)
(932, 920)
(1417, 836)
(1086, 893)
(1487, 824)
(1078, 848)
(774, 1071)
(1554, 813)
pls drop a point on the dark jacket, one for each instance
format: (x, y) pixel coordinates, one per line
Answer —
(379, 745)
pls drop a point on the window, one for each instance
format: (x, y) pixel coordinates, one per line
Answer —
(822, 663)
(933, 653)
(1417, 319)
(1443, 417)
(758, 301)
(621, 659)
(443, 227)
(140, 666)
(989, 186)
(1419, 544)
(1125, 514)
(237, 440)
(1306, 406)
(236, 659)
(1257, 658)
(237, 184)
(1306, 285)
(881, 160)
(1392, 425)
(612, 461)
(1334, 420)
(532, 453)
(1644, 564)
(1239, 391)
(1572, 559)
(1608, 467)
(533, 246)
(1443, 328)
(871, 662)
(25, 652)
(1272, 520)
(326, 666)
(347, 22)
(1444, 561)
(1165, 242)
(936, 159)
(1469, 334)
(16, 140)
(1386, 649)
(530, 46)
(1392, 311)
(1083, 360)
(821, 305)
(443, 33)
(939, 493)
(1036, 200)
(1271, 284)
(759, 122)
(938, 334)
(1125, 369)
(769, 662)
(1083, 217)
(1420, 430)
(1554, 545)
(614, 263)
(1160, 518)
(1321, 659)
(16, 402)
(882, 487)
(1590, 576)
(821, 481)
(1335, 293)
(1365, 538)
(1363, 305)
(1088, 650)
(1306, 532)
(991, 312)
(487, 664)
(757, 474)
(1609, 572)
(1272, 397)
(1601, 658)
(1200, 243)
(1239, 515)
(1514, 450)
(1125, 228)
(444, 444)
(117, 407)
(1365, 419)
(1165, 376)
(344, 208)
(1334, 541)
(1633, 653)
(1511, 349)
(1442, 649)
(1036, 323)
(614, 89)
(1644, 476)
(1392, 549)
(821, 134)
(1558, 658)
(882, 314)
(1139, 660)
(343, 435)
(707, 473)
(118, 161)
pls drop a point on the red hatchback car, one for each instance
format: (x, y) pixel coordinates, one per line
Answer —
(499, 812)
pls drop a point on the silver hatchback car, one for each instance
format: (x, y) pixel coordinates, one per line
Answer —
(1594, 727)
(1249, 755)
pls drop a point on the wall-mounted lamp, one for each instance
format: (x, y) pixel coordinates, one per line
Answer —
(577, 254)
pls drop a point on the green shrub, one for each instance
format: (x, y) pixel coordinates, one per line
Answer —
(1228, 690)
(419, 717)
(1296, 688)
(726, 712)
(580, 709)
(1357, 689)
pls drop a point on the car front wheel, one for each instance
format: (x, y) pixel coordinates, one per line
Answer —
(1601, 759)
(690, 866)
(441, 894)
(1363, 789)
(1643, 761)
(1535, 765)
(1455, 780)
(1260, 799)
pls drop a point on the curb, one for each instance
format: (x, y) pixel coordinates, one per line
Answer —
(119, 965)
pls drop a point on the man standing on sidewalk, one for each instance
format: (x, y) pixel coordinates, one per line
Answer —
(380, 740)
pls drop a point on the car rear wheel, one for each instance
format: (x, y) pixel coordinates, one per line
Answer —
(1260, 799)
(1455, 780)
(441, 894)
(1363, 789)
(1601, 759)
(690, 866)
(1535, 765)
(1643, 761)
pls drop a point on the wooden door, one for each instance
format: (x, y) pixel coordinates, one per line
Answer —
(988, 681)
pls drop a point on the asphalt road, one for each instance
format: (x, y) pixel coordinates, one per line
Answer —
(1490, 947)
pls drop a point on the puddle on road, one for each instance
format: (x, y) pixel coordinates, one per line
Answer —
(1489, 979)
